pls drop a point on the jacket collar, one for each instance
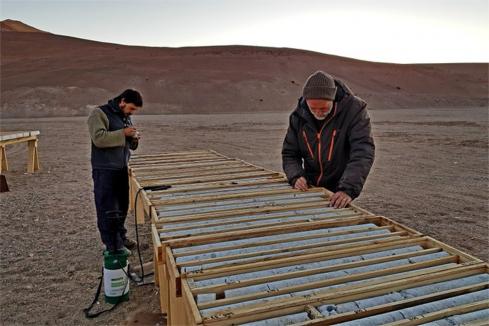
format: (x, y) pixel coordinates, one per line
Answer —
(114, 107)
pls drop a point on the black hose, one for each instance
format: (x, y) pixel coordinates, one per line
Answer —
(152, 188)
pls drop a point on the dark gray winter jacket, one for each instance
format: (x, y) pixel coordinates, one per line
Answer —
(337, 156)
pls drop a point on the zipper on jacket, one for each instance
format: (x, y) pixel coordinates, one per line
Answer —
(307, 143)
(331, 145)
(319, 145)
(319, 155)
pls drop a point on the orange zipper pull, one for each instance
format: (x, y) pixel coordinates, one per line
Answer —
(320, 161)
(307, 143)
(331, 145)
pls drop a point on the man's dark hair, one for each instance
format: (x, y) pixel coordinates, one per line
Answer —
(130, 96)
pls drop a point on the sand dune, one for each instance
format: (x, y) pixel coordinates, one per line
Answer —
(51, 75)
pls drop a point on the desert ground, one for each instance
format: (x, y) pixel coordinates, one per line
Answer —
(430, 173)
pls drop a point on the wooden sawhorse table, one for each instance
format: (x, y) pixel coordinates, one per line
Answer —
(15, 137)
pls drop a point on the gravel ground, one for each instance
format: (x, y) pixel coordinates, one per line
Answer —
(430, 173)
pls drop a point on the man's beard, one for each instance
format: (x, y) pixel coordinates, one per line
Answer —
(320, 118)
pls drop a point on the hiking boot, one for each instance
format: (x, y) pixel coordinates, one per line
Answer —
(130, 244)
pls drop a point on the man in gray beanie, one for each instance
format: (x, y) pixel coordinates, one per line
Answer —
(329, 140)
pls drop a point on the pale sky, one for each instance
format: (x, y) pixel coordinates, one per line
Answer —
(413, 31)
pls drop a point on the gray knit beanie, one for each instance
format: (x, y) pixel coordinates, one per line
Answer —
(319, 85)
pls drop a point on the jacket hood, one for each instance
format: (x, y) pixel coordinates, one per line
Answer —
(113, 104)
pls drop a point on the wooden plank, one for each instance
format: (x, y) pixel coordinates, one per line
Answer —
(251, 318)
(388, 273)
(256, 243)
(307, 258)
(464, 257)
(146, 205)
(154, 215)
(352, 205)
(164, 290)
(11, 138)
(136, 158)
(302, 273)
(234, 235)
(33, 156)
(291, 251)
(396, 305)
(158, 248)
(232, 205)
(134, 188)
(198, 193)
(155, 268)
(260, 222)
(198, 199)
(177, 315)
(228, 176)
(190, 159)
(9, 135)
(219, 185)
(259, 311)
(397, 226)
(200, 168)
(313, 312)
(161, 278)
(139, 202)
(12, 135)
(198, 174)
(171, 267)
(239, 227)
(426, 318)
(195, 317)
(139, 156)
(17, 140)
(173, 158)
(180, 166)
(179, 171)
(180, 162)
(217, 153)
(240, 212)
(3, 159)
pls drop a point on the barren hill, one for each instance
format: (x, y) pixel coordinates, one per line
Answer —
(10, 25)
(44, 74)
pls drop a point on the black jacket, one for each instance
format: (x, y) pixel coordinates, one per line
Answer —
(340, 154)
(110, 148)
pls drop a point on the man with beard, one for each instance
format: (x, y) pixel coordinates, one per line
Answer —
(329, 141)
(113, 136)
